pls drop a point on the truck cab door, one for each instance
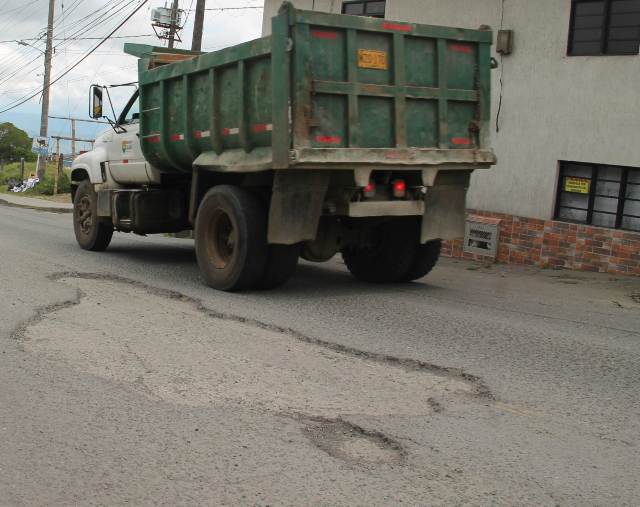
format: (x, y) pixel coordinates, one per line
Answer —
(126, 162)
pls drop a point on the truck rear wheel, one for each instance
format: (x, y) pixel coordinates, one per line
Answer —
(427, 256)
(231, 238)
(390, 257)
(92, 232)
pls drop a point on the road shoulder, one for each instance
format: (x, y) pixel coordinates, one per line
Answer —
(34, 203)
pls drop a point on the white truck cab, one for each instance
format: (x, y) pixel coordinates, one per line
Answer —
(116, 159)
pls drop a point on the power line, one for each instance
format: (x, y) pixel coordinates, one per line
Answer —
(68, 11)
(69, 69)
(25, 14)
(229, 8)
(90, 25)
(80, 38)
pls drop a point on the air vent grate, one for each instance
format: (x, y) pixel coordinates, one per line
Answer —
(481, 238)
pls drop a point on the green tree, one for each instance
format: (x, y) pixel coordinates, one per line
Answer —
(14, 143)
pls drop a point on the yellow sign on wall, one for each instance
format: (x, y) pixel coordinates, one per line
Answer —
(577, 185)
(371, 59)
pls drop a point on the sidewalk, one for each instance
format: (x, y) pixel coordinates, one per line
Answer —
(32, 203)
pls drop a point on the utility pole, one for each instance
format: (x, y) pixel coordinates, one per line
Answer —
(44, 117)
(174, 22)
(196, 41)
(67, 138)
(59, 166)
(73, 138)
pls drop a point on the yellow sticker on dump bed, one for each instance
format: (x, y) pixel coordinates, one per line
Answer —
(372, 59)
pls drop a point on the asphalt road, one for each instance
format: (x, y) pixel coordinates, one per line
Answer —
(123, 380)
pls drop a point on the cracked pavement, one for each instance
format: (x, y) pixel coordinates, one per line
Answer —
(126, 381)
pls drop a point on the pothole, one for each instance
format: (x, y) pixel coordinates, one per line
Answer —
(567, 279)
(351, 443)
(174, 349)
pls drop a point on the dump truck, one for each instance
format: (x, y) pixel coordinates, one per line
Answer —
(336, 134)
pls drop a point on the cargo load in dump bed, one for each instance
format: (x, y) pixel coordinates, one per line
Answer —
(347, 133)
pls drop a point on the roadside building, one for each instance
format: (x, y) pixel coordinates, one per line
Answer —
(565, 125)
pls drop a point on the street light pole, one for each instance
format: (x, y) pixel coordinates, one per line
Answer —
(44, 118)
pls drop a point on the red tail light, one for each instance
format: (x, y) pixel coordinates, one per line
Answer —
(399, 188)
(369, 190)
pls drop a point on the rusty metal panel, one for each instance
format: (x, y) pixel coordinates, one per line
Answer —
(381, 84)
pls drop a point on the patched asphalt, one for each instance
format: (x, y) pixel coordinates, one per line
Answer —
(125, 380)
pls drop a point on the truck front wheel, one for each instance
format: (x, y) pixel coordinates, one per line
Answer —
(231, 238)
(92, 232)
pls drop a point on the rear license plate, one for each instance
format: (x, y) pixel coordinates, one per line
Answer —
(372, 59)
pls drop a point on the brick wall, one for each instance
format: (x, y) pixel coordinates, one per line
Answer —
(553, 244)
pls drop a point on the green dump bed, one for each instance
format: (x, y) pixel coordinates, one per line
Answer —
(324, 91)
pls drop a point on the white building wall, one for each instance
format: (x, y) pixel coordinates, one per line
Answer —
(554, 107)
(271, 9)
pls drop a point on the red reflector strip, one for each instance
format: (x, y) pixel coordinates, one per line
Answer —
(230, 132)
(199, 134)
(125, 161)
(397, 27)
(177, 137)
(153, 139)
(261, 127)
(461, 48)
(329, 139)
(320, 34)
(461, 141)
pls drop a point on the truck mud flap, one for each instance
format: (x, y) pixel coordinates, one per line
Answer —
(296, 205)
(444, 213)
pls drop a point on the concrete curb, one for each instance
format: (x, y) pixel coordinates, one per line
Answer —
(37, 208)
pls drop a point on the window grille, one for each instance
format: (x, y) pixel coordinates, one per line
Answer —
(602, 195)
(373, 8)
(604, 27)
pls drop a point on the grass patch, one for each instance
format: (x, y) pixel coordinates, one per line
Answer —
(44, 187)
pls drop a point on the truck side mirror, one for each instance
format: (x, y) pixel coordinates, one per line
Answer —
(95, 111)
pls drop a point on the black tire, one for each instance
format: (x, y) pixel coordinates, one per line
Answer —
(231, 238)
(427, 256)
(388, 260)
(92, 233)
(281, 265)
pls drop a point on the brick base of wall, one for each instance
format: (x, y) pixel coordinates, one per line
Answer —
(558, 245)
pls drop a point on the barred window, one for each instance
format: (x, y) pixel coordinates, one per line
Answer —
(373, 8)
(604, 27)
(602, 195)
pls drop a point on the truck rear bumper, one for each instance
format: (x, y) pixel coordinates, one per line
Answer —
(405, 158)
(261, 159)
(386, 208)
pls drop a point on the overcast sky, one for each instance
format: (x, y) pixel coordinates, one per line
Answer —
(21, 67)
